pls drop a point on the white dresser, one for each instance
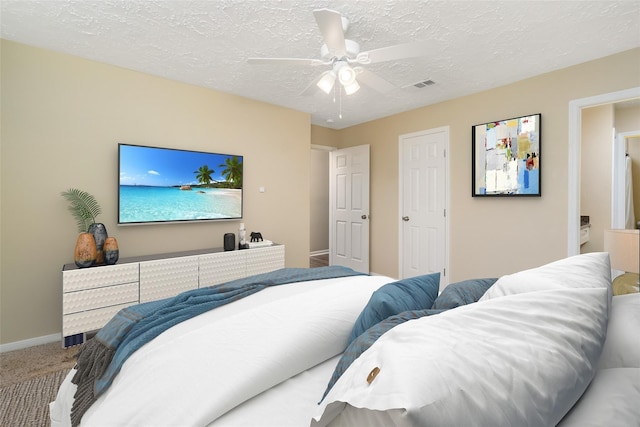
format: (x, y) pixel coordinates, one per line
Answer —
(91, 296)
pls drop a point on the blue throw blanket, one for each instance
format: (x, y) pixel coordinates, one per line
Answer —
(100, 358)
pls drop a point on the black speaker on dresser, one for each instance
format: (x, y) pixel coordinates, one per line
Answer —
(229, 241)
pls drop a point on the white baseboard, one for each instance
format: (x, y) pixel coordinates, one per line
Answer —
(19, 345)
(317, 253)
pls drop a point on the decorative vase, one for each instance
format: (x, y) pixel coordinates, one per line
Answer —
(111, 251)
(86, 252)
(99, 232)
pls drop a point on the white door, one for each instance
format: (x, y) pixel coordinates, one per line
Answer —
(423, 203)
(349, 208)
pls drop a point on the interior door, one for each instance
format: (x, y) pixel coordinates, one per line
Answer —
(349, 208)
(423, 193)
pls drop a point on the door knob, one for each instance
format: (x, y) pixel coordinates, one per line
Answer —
(405, 218)
(363, 217)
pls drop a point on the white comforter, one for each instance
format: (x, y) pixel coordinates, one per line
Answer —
(200, 369)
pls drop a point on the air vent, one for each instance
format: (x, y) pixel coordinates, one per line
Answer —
(419, 85)
(424, 83)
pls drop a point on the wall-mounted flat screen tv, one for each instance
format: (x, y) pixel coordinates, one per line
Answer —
(166, 185)
(506, 157)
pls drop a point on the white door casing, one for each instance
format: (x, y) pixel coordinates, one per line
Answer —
(349, 208)
(573, 167)
(423, 203)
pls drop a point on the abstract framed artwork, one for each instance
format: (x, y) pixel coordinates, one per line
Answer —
(506, 157)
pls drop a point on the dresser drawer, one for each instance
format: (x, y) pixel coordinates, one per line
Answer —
(91, 320)
(263, 260)
(221, 268)
(97, 277)
(74, 302)
(168, 277)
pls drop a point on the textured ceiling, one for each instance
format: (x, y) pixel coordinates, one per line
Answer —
(469, 46)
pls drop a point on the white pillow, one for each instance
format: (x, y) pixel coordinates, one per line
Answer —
(622, 346)
(590, 270)
(611, 400)
(522, 360)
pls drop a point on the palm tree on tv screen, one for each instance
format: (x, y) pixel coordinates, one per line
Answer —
(203, 175)
(233, 171)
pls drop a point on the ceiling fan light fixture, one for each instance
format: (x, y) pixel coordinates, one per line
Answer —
(351, 88)
(346, 75)
(326, 81)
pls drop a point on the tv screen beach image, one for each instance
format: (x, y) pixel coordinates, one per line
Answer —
(167, 185)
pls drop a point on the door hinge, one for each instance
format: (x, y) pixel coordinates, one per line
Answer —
(444, 152)
(444, 272)
(445, 213)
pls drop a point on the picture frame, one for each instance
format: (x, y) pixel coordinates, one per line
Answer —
(506, 157)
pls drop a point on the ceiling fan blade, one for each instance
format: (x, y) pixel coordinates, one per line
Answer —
(393, 53)
(287, 61)
(331, 27)
(312, 88)
(375, 82)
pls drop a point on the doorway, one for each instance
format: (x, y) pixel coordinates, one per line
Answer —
(319, 206)
(575, 137)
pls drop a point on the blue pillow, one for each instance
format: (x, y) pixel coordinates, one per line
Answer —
(368, 337)
(415, 293)
(462, 293)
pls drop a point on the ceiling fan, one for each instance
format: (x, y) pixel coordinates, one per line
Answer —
(345, 59)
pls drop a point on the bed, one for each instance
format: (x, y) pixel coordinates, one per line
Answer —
(541, 347)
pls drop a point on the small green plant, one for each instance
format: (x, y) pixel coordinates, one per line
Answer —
(83, 206)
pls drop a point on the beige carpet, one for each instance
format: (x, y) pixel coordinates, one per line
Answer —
(22, 365)
(26, 403)
(29, 380)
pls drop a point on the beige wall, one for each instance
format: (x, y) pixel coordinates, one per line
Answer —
(595, 173)
(627, 118)
(490, 237)
(62, 118)
(634, 154)
(324, 136)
